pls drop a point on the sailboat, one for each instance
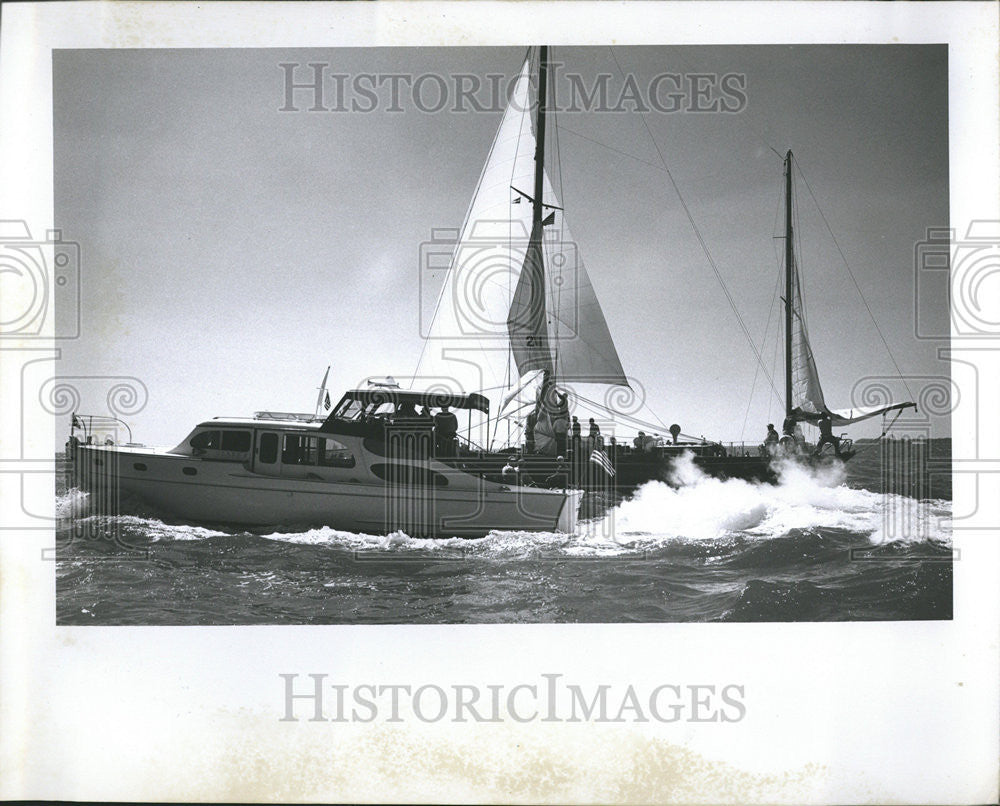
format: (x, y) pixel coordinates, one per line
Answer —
(804, 400)
(518, 320)
(518, 341)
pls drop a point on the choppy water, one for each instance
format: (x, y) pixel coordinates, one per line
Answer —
(827, 546)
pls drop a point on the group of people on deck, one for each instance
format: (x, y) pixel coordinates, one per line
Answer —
(444, 423)
(594, 439)
(643, 442)
(793, 439)
(549, 426)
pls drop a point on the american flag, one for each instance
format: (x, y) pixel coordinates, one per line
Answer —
(599, 457)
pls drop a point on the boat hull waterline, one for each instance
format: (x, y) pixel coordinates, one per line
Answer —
(198, 489)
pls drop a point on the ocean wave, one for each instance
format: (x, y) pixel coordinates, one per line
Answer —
(706, 508)
(72, 504)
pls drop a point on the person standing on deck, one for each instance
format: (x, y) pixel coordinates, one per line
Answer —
(560, 421)
(771, 440)
(826, 436)
(405, 411)
(595, 435)
(529, 431)
(445, 430)
(560, 478)
(560, 425)
(788, 442)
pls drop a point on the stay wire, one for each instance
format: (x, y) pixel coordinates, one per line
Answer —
(704, 246)
(850, 273)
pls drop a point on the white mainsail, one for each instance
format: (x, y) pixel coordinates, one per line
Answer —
(516, 298)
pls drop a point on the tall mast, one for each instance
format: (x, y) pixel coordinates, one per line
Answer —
(789, 257)
(536, 204)
(537, 210)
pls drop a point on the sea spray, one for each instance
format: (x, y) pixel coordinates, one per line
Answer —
(700, 507)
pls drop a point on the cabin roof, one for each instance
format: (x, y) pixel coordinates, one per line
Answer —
(418, 398)
(260, 422)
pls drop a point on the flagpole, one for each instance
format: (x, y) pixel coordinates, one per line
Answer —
(322, 389)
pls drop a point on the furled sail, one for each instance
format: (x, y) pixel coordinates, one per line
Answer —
(807, 394)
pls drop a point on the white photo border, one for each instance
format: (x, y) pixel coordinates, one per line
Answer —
(836, 712)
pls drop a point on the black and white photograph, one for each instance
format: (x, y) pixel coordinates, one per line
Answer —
(547, 370)
(395, 404)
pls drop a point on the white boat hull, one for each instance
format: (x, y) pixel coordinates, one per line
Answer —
(223, 492)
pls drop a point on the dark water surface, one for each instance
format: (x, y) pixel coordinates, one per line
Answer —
(868, 545)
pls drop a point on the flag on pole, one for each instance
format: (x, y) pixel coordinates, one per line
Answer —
(326, 402)
(322, 391)
(600, 458)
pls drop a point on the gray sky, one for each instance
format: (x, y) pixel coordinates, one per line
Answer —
(230, 251)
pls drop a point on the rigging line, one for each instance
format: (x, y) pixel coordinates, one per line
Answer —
(887, 428)
(704, 246)
(610, 148)
(743, 116)
(854, 280)
(763, 344)
(656, 416)
(563, 229)
(593, 405)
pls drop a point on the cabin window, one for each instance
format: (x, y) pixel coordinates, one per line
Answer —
(384, 409)
(409, 475)
(268, 448)
(291, 451)
(206, 440)
(303, 450)
(349, 409)
(237, 441)
(335, 454)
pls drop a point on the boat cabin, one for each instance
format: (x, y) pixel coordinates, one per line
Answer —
(290, 447)
(362, 405)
